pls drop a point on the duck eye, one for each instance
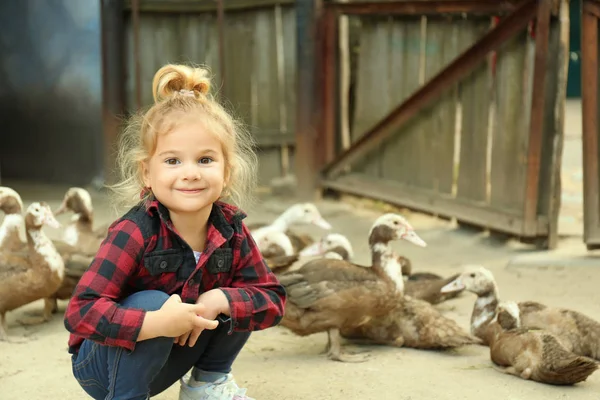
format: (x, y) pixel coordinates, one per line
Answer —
(396, 222)
(306, 210)
(328, 242)
(472, 275)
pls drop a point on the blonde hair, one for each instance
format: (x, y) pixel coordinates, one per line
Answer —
(181, 90)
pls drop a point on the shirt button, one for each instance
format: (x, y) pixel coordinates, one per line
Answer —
(163, 264)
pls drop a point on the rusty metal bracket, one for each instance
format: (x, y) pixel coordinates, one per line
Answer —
(420, 7)
(444, 80)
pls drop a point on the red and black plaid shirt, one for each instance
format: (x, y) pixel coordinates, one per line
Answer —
(143, 252)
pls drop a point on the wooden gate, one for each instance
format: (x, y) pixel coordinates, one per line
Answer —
(449, 109)
(591, 144)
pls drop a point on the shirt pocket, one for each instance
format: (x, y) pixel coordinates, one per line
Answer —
(163, 261)
(219, 267)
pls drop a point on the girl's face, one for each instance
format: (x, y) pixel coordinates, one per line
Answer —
(186, 173)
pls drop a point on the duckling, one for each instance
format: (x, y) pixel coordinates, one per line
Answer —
(277, 250)
(80, 233)
(12, 230)
(25, 278)
(534, 354)
(576, 331)
(426, 288)
(300, 213)
(331, 295)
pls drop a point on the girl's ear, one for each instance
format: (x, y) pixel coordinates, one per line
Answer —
(145, 174)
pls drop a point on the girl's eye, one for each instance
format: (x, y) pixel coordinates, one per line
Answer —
(172, 161)
(206, 160)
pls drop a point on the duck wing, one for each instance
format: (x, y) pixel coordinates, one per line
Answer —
(12, 264)
(330, 283)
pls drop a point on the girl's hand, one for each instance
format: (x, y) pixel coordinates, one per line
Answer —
(177, 317)
(215, 303)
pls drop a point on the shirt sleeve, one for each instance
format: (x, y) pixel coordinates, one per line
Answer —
(256, 298)
(93, 312)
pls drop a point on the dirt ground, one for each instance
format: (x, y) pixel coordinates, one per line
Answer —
(278, 365)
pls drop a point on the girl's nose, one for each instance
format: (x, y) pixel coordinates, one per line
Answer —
(192, 173)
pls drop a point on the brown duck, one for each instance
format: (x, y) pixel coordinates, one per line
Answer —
(534, 354)
(578, 332)
(29, 276)
(423, 286)
(76, 260)
(327, 295)
(80, 233)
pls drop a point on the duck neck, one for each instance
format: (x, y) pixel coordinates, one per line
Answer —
(484, 311)
(42, 246)
(12, 230)
(385, 263)
(282, 222)
(84, 221)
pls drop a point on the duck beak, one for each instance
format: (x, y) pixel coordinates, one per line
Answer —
(51, 221)
(453, 286)
(61, 209)
(412, 237)
(312, 250)
(320, 222)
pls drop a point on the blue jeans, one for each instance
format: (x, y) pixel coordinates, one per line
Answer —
(106, 372)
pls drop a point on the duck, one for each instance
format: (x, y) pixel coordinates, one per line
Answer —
(424, 288)
(328, 295)
(80, 232)
(36, 274)
(277, 250)
(578, 332)
(299, 213)
(12, 240)
(12, 230)
(534, 354)
(412, 323)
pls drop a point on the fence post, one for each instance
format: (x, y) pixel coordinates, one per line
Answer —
(307, 17)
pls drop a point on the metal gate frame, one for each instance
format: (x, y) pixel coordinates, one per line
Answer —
(540, 229)
(590, 134)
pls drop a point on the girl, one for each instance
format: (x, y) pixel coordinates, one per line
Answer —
(178, 282)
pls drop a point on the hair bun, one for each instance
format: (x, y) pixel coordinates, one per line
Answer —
(173, 78)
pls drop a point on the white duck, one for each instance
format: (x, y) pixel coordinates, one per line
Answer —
(12, 230)
(300, 213)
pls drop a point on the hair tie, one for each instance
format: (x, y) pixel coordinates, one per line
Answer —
(189, 93)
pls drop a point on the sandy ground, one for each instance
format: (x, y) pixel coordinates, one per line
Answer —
(275, 364)
(278, 365)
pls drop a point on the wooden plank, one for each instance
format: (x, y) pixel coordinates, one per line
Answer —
(266, 139)
(289, 70)
(200, 44)
(511, 124)
(266, 88)
(398, 158)
(239, 56)
(439, 124)
(200, 6)
(549, 195)
(475, 96)
(396, 193)
(372, 101)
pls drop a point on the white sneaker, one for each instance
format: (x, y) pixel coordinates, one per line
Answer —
(223, 389)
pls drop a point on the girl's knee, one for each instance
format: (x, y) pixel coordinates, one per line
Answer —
(149, 300)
